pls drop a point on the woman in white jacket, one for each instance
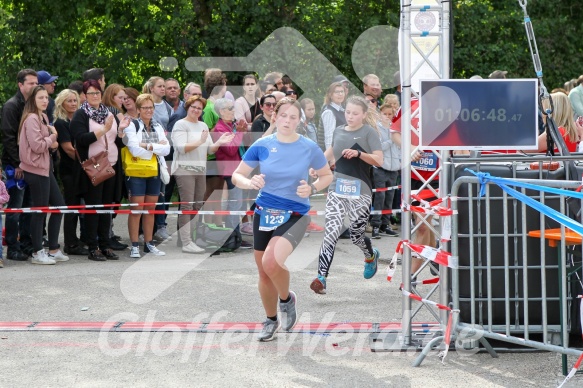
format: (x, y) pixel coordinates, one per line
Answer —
(192, 143)
(146, 142)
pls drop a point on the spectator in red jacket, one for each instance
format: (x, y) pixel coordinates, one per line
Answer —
(229, 156)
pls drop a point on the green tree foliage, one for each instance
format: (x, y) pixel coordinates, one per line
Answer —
(490, 35)
(128, 38)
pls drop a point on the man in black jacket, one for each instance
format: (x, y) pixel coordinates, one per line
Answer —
(11, 114)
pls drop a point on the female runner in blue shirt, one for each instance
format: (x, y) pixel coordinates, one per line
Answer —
(285, 159)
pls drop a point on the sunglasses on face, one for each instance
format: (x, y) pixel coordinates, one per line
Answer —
(270, 104)
(373, 101)
(290, 92)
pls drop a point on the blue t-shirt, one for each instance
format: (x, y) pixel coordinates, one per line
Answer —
(284, 166)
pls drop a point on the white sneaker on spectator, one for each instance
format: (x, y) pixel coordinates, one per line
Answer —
(153, 250)
(58, 256)
(41, 257)
(191, 247)
(162, 234)
(135, 252)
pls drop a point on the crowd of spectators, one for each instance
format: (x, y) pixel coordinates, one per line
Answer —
(199, 138)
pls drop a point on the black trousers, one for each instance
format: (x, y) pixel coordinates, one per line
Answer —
(71, 219)
(44, 191)
(97, 225)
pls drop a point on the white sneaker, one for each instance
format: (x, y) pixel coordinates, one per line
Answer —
(153, 250)
(191, 247)
(162, 234)
(41, 257)
(58, 256)
(135, 253)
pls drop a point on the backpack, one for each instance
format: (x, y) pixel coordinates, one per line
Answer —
(216, 238)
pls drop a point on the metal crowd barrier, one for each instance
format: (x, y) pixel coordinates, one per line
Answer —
(510, 287)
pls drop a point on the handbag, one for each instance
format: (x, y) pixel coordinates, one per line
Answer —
(164, 175)
(135, 166)
(97, 167)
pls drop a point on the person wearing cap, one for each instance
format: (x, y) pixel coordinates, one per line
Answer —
(498, 74)
(48, 81)
(576, 97)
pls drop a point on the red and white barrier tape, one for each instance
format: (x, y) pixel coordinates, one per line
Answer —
(181, 203)
(450, 321)
(426, 281)
(447, 336)
(573, 371)
(169, 212)
(386, 188)
(393, 264)
(580, 359)
(431, 208)
(426, 301)
(438, 256)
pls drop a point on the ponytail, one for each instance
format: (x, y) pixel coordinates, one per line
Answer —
(147, 88)
(371, 117)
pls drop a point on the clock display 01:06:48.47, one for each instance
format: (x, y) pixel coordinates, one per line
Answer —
(493, 115)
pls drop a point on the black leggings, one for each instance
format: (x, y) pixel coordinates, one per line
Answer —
(44, 191)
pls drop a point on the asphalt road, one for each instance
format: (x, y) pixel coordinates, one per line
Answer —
(222, 290)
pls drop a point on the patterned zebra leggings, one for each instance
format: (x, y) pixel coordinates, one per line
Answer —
(358, 211)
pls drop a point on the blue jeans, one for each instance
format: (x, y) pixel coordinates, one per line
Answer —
(17, 223)
(234, 203)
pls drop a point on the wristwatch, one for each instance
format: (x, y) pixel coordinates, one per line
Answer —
(314, 189)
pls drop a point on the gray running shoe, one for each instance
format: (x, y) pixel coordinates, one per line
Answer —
(289, 314)
(162, 234)
(268, 331)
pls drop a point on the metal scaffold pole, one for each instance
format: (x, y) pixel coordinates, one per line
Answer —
(406, 158)
(424, 53)
(444, 178)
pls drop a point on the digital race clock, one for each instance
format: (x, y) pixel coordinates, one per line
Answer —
(479, 114)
